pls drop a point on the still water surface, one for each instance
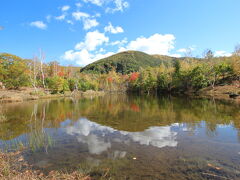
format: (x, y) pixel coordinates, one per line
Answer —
(127, 137)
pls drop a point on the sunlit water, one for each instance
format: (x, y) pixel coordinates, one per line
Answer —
(125, 137)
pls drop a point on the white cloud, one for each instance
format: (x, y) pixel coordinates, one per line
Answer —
(186, 50)
(65, 8)
(222, 54)
(1, 28)
(155, 44)
(97, 15)
(60, 18)
(79, 15)
(119, 43)
(92, 40)
(113, 30)
(39, 24)
(83, 53)
(176, 55)
(182, 50)
(101, 56)
(89, 23)
(101, 50)
(78, 5)
(69, 22)
(96, 2)
(84, 57)
(120, 5)
(88, 51)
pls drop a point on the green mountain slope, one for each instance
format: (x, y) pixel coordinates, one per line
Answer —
(126, 62)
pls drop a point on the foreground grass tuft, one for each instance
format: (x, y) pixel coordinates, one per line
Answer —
(11, 168)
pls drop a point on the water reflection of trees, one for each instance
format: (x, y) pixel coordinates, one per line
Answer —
(31, 131)
(120, 112)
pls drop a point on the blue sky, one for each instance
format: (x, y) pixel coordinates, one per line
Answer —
(79, 32)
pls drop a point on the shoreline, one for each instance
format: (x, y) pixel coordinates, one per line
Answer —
(22, 95)
(223, 93)
(28, 94)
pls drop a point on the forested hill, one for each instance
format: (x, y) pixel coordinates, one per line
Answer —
(127, 62)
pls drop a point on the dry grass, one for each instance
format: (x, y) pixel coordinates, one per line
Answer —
(11, 168)
(3, 118)
(221, 92)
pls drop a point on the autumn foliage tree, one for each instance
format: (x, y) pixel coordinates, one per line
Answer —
(13, 71)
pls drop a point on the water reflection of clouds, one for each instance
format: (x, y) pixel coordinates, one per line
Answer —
(156, 136)
(84, 131)
(93, 135)
(95, 144)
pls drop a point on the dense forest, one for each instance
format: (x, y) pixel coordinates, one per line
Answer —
(128, 71)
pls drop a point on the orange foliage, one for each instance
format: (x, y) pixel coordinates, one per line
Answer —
(61, 74)
(110, 79)
(134, 76)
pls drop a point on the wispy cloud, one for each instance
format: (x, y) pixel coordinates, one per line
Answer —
(112, 5)
(89, 23)
(70, 22)
(120, 43)
(185, 50)
(48, 18)
(39, 24)
(65, 8)
(222, 54)
(120, 5)
(114, 30)
(78, 5)
(96, 2)
(79, 15)
(60, 18)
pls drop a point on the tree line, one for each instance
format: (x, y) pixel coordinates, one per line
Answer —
(181, 75)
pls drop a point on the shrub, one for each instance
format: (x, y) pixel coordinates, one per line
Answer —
(223, 70)
(84, 85)
(57, 84)
(72, 84)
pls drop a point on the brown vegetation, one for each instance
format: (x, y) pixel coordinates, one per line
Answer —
(13, 167)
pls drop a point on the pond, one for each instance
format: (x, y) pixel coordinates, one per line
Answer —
(127, 137)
